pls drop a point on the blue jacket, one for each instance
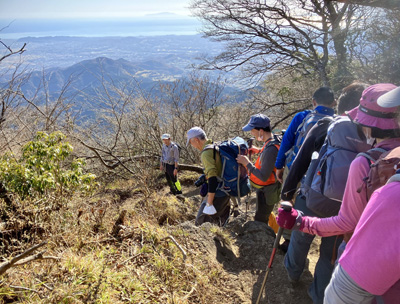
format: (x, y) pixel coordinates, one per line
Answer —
(291, 134)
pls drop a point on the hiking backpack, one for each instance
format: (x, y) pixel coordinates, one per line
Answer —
(327, 174)
(383, 165)
(308, 122)
(179, 147)
(234, 180)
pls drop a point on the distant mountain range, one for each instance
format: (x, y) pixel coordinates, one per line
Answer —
(90, 74)
(87, 61)
(87, 77)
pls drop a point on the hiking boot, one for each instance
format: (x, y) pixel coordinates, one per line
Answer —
(236, 213)
(284, 246)
(294, 282)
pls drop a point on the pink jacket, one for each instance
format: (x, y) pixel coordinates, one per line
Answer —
(372, 256)
(353, 203)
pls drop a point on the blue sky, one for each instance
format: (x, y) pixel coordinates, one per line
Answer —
(54, 9)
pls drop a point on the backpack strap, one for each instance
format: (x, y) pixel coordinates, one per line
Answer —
(238, 178)
(372, 155)
(211, 146)
(394, 178)
(220, 179)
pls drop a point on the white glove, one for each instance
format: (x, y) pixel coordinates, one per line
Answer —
(209, 209)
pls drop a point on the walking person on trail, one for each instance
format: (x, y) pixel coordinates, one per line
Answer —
(370, 264)
(215, 207)
(378, 125)
(296, 256)
(263, 172)
(169, 163)
(323, 102)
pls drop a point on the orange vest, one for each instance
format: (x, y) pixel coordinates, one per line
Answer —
(255, 181)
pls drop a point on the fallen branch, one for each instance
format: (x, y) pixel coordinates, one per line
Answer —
(7, 265)
(23, 288)
(45, 285)
(38, 256)
(190, 292)
(177, 245)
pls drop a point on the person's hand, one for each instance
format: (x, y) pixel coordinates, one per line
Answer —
(279, 174)
(209, 209)
(292, 219)
(175, 172)
(161, 167)
(242, 159)
(254, 150)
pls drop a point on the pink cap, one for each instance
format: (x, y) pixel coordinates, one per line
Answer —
(370, 114)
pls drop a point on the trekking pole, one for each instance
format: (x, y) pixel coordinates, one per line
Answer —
(287, 207)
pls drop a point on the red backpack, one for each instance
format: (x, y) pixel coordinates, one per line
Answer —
(383, 165)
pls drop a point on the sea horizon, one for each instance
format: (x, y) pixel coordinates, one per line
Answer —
(153, 25)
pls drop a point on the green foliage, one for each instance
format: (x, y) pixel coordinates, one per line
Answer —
(45, 168)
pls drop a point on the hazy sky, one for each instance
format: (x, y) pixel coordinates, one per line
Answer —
(44, 9)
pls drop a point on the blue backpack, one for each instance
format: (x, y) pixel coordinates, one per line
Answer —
(308, 122)
(327, 173)
(234, 180)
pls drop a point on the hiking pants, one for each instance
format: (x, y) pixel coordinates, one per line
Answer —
(343, 290)
(223, 207)
(172, 180)
(267, 197)
(296, 256)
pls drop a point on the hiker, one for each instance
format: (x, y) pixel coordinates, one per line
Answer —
(169, 163)
(369, 267)
(323, 101)
(377, 124)
(356, 279)
(263, 172)
(296, 256)
(215, 207)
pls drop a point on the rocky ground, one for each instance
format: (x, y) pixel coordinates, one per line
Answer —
(245, 260)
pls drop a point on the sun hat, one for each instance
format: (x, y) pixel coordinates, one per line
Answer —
(165, 136)
(370, 114)
(194, 132)
(390, 99)
(259, 121)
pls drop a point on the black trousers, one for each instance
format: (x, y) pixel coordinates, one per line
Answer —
(223, 207)
(267, 197)
(171, 178)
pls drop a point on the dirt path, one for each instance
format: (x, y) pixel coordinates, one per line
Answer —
(245, 260)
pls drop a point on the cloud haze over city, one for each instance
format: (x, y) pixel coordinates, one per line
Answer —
(95, 18)
(47, 9)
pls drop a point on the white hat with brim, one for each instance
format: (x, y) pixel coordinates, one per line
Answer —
(390, 99)
(194, 132)
(165, 136)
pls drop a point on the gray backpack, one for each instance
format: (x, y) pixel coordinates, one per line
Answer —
(326, 176)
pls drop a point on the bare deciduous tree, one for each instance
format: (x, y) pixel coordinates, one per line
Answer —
(374, 47)
(265, 36)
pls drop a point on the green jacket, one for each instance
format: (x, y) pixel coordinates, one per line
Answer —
(212, 167)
